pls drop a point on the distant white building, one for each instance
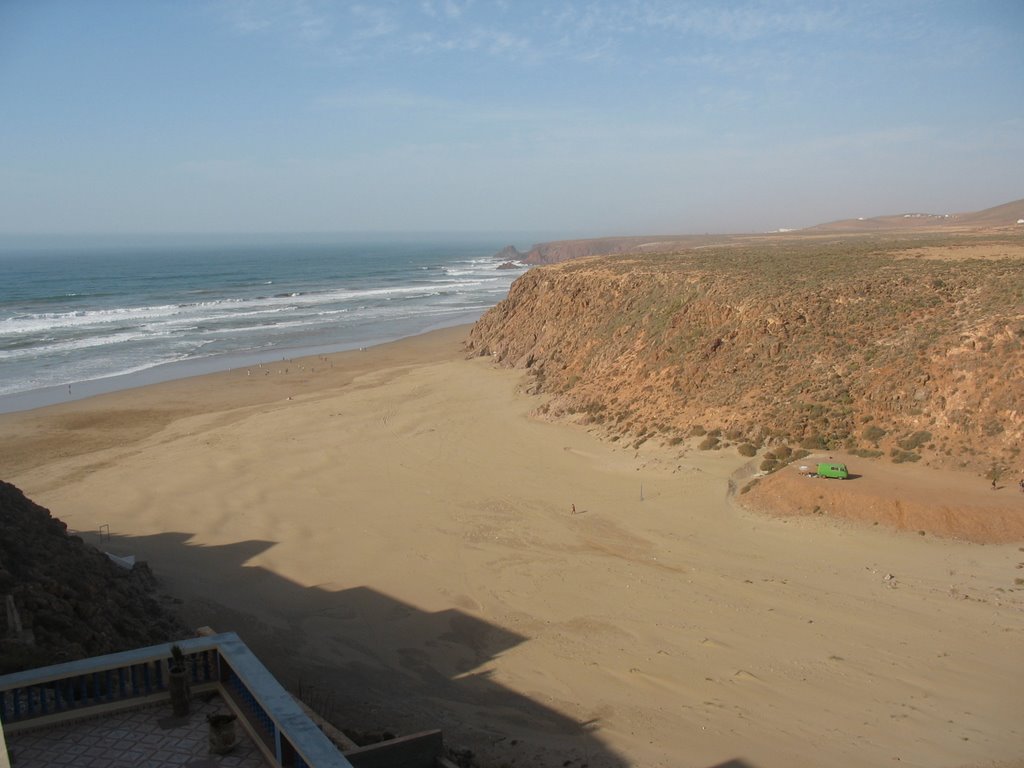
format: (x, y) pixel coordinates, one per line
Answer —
(1020, 221)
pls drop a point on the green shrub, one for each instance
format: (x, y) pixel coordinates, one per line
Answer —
(747, 450)
(874, 433)
(697, 430)
(992, 428)
(781, 452)
(708, 443)
(814, 442)
(769, 464)
(899, 457)
(914, 441)
(866, 453)
(750, 485)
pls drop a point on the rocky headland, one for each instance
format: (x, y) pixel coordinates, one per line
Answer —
(563, 250)
(906, 346)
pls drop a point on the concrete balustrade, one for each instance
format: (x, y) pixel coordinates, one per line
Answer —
(222, 662)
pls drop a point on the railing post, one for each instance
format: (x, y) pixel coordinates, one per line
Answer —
(118, 679)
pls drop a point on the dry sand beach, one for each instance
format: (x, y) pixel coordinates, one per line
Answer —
(394, 535)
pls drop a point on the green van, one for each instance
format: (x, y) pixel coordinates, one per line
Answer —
(837, 471)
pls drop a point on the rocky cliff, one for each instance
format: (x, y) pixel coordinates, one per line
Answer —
(563, 250)
(909, 348)
(65, 599)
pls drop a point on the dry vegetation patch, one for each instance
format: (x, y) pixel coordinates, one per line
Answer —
(1008, 250)
(825, 343)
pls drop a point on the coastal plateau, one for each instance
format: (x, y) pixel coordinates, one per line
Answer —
(909, 347)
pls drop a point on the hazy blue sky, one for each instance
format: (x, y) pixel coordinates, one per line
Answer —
(577, 118)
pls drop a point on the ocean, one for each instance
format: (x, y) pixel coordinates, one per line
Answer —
(82, 317)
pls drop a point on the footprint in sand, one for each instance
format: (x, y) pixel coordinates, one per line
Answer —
(466, 603)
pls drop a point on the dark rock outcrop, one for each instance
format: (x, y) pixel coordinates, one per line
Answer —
(509, 253)
(64, 598)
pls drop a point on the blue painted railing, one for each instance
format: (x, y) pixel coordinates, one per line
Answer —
(77, 685)
(121, 680)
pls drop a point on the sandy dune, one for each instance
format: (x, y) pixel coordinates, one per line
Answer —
(394, 535)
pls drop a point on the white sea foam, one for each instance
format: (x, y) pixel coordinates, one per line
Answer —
(44, 321)
(63, 347)
(160, 310)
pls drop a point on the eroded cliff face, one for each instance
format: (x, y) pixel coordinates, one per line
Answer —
(853, 345)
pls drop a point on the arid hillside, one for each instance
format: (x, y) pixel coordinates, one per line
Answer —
(910, 347)
(999, 217)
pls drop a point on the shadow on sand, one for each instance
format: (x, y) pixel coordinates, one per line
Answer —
(371, 663)
(366, 661)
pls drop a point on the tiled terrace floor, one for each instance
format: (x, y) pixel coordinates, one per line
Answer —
(140, 738)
